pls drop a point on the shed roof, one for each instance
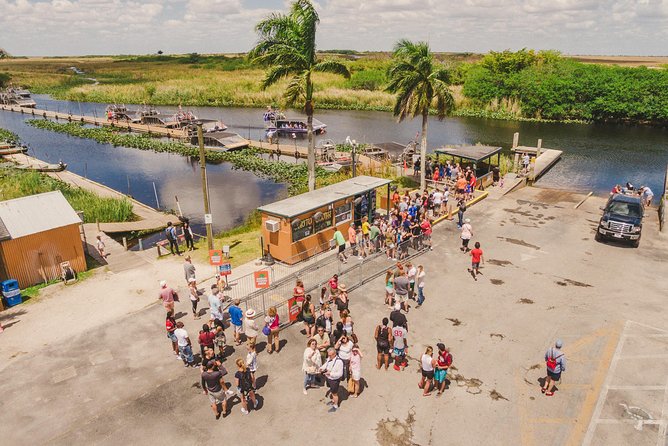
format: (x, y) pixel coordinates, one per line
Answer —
(301, 204)
(36, 213)
(473, 153)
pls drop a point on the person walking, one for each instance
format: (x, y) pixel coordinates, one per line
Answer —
(272, 325)
(341, 243)
(188, 269)
(308, 316)
(214, 388)
(476, 260)
(352, 239)
(428, 364)
(250, 326)
(185, 347)
(466, 235)
(170, 326)
(188, 236)
(100, 246)
(419, 280)
(170, 233)
(312, 360)
(167, 296)
(251, 360)
(356, 370)
(215, 304)
(236, 319)
(193, 292)
(411, 272)
(461, 208)
(383, 337)
(400, 334)
(555, 360)
(244, 382)
(443, 363)
(332, 370)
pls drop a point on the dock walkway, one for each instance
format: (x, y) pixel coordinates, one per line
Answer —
(118, 259)
(290, 149)
(546, 159)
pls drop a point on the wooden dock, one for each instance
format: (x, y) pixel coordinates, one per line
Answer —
(293, 150)
(543, 159)
(149, 219)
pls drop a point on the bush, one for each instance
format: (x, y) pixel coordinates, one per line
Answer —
(371, 80)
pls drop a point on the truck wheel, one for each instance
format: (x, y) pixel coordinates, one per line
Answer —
(597, 237)
(635, 243)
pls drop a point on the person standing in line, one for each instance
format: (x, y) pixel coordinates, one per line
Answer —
(443, 363)
(220, 339)
(215, 305)
(426, 228)
(167, 296)
(214, 385)
(344, 348)
(461, 208)
(383, 337)
(341, 243)
(401, 288)
(272, 323)
(170, 233)
(428, 364)
(250, 326)
(389, 288)
(467, 234)
(188, 236)
(476, 259)
(356, 370)
(411, 271)
(400, 334)
(206, 339)
(251, 360)
(555, 360)
(194, 296)
(325, 320)
(374, 238)
(342, 300)
(170, 326)
(308, 316)
(188, 269)
(236, 319)
(352, 238)
(100, 246)
(322, 341)
(332, 369)
(185, 348)
(244, 382)
(419, 280)
(312, 360)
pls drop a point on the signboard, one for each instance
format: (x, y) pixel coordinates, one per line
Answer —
(208, 219)
(343, 213)
(293, 309)
(261, 279)
(325, 223)
(303, 229)
(216, 257)
(225, 269)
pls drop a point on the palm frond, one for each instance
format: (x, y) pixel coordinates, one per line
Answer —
(297, 89)
(332, 66)
(274, 74)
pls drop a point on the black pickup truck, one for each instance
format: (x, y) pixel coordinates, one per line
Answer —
(622, 219)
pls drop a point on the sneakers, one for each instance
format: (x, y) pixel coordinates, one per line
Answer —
(333, 409)
(244, 411)
(229, 392)
(257, 403)
(397, 368)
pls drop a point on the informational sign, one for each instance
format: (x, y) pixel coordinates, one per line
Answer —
(216, 257)
(293, 309)
(208, 219)
(303, 229)
(225, 269)
(261, 278)
(325, 222)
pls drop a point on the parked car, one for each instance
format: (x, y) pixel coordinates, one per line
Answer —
(622, 219)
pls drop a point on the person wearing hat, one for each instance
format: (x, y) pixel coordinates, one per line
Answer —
(167, 296)
(342, 300)
(250, 326)
(555, 360)
(467, 234)
(443, 363)
(194, 296)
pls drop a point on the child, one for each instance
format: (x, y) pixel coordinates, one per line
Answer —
(476, 259)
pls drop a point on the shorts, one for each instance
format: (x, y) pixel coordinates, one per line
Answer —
(342, 248)
(460, 191)
(171, 336)
(245, 392)
(309, 320)
(383, 350)
(399, 351)
(333, 385)
(475, 265)
(238, 328)
(217, 397)
(553, 375)
(357, 375)
(440, 374)
(429, 374)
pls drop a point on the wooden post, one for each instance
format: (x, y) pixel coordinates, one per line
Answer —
(516, 139)
(125, 243)
(538, 147)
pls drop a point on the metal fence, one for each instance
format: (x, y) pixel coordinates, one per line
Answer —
(353, 274)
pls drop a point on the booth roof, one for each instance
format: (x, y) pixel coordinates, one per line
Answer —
(35, 213)
(473, 153)
(309, 201)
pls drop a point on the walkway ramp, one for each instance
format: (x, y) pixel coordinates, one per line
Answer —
(118, 259)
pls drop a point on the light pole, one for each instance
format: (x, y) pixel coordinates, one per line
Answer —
(205, 189)
(354, 161)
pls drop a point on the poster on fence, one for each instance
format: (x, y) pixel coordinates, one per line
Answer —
(216, 257)
(261, 279)
(225, 269)
(293, 309)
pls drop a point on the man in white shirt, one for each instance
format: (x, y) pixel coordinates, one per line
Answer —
(411, 273)
(438, 200)
(400, 334)
(183, 341)
(215, 305)
(332, 369)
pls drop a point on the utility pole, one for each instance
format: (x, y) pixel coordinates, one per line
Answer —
(354, 144)
(205, 189)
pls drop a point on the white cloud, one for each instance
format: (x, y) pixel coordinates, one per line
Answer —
(144, 26)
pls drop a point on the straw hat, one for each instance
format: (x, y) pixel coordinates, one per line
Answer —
(468, 220)
(342, 287)
(250, 313)
(163, 283)
(192, 280)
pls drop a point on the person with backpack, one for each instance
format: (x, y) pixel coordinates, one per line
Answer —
(383, 337)
(443, 363)
(214, 388)
(170, 233)
(245, 386)
(555, 360)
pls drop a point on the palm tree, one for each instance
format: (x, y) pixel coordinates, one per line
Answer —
(287, 47)
(420, 83)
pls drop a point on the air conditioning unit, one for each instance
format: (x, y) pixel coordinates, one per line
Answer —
(272, 225)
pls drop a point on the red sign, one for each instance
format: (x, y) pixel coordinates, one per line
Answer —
(216, 257)
(293, 309)
(225, 269)
(261, 279)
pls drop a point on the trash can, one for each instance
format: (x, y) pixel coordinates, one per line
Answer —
(11, 292)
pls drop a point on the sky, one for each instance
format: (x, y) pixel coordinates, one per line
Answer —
(82, 27)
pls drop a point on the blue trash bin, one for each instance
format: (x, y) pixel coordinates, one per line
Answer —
(11, 292)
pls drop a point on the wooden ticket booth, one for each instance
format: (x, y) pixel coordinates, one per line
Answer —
(299, 227)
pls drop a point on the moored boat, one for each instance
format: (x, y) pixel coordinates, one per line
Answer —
(17, 96)
(276, 121)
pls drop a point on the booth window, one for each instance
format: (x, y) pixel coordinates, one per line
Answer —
(343, 213)
(323, 220)
(301, 228)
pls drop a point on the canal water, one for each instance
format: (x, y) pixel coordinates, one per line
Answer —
(595, 156)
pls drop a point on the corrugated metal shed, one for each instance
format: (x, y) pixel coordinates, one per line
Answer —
(36, 213)
(4, 234)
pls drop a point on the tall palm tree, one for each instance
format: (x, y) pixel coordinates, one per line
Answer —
(287, 46)
(420, 83)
